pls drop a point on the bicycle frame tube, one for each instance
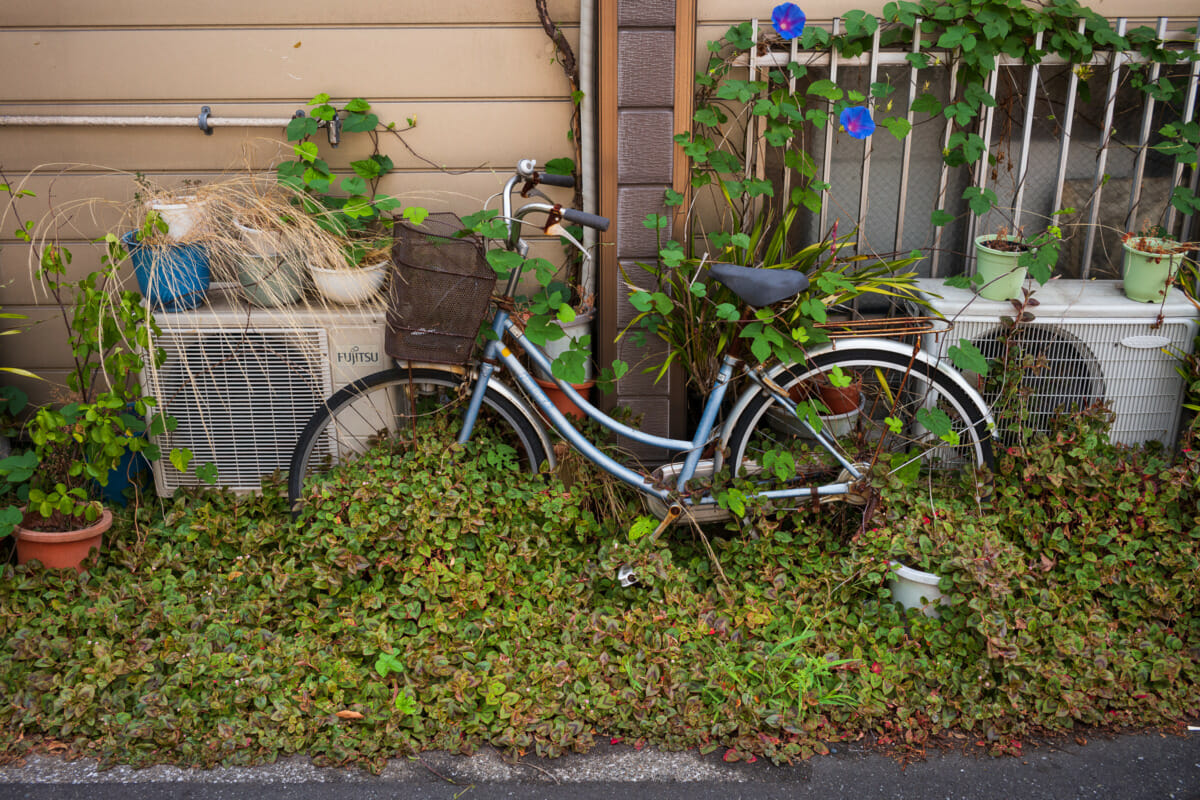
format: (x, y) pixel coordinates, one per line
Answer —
(707, 418)
(637, 480)
(481, 382)
(496, 349)
(780, 396)
(541, 360)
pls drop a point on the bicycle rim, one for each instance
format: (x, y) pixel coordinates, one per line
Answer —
(386, 410)
(910, 420)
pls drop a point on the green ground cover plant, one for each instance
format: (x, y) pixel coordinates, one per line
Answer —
(431, 599)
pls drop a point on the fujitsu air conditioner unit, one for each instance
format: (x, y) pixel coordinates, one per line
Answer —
(242, 381)
(1090, 344)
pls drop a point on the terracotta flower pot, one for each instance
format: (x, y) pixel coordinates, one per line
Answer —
(61, 549)
(841, 399)
(560, 399)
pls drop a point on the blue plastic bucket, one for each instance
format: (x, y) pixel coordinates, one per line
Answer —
(132, 470)
(175, 277)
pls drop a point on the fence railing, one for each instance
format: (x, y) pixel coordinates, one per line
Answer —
(1050, 146)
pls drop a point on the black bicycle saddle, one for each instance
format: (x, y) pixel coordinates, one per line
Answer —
(759, 286)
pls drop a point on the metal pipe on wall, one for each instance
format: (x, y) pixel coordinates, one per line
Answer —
(587, 135)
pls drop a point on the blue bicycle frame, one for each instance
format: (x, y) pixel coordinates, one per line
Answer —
(497, 351)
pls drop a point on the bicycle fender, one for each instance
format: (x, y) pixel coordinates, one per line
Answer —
(518, 400)
(849, 345)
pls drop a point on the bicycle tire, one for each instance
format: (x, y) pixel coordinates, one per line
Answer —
(381, 407)
(896, 386)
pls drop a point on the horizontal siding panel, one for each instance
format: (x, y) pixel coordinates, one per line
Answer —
(208, 65)
(51, 387)
(90, 13)
(41, 346)
(448, 133)
(19, 294)
(97, 203)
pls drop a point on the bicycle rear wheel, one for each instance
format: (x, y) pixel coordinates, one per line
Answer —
(911, 419)
(384, 409)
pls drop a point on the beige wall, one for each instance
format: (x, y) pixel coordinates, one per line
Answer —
(479, 77)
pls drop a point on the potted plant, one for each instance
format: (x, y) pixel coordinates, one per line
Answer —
(183, 211)
(76, 446)
(697, 317)
(267, 269)
(918, 549)
(360, 274)
(173, 275)
(1150, 262)
(73, 448)
(1003, 260)
(564, 333)
(351, 209)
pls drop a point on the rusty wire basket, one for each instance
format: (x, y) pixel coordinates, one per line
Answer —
(440, 291)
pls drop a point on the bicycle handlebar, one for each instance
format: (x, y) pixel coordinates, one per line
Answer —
(527, 171)
(565, 181)
(583, 218)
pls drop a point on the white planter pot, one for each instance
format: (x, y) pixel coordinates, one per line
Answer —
(579, 327)
(836, 425)
(349, 286)
(913, 588)
(182, 215)
(259, 243)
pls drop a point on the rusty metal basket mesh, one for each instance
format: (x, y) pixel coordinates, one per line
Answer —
(440, 291)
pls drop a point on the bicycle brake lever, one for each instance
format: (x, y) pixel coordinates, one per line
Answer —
(530, 190)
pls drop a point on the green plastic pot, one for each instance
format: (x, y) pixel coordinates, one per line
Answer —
(270, 281)
(1146, 275)
(1002, 278)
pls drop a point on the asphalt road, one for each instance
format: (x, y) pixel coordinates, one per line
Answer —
(1134, 767)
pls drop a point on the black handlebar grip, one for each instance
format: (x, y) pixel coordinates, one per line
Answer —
(583, 218)
(566, 181)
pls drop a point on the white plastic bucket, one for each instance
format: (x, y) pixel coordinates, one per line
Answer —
(913, 588)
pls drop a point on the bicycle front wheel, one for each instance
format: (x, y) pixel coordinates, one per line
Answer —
(384, 409)
(909, 418)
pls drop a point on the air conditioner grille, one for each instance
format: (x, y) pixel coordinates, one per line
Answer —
(1086, 362)
(1094, 344)
(1060, 371)
(241, 398)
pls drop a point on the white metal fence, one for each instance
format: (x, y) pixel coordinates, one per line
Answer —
(1060, 136)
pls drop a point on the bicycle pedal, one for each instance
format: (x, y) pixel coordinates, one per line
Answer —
(626, 575)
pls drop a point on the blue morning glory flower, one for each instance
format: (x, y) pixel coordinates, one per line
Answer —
(857, 122)
(788, 20)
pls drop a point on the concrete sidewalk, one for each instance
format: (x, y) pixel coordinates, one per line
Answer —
(1133, 767)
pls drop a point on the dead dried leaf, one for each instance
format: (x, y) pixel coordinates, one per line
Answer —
(347, 714)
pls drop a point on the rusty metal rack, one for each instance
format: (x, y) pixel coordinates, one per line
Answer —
(886, 327)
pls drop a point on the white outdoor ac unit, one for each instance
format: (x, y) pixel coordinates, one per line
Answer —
(242, 382)
(1092, 344)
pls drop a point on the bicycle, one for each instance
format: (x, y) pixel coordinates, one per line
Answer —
(914, 413)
